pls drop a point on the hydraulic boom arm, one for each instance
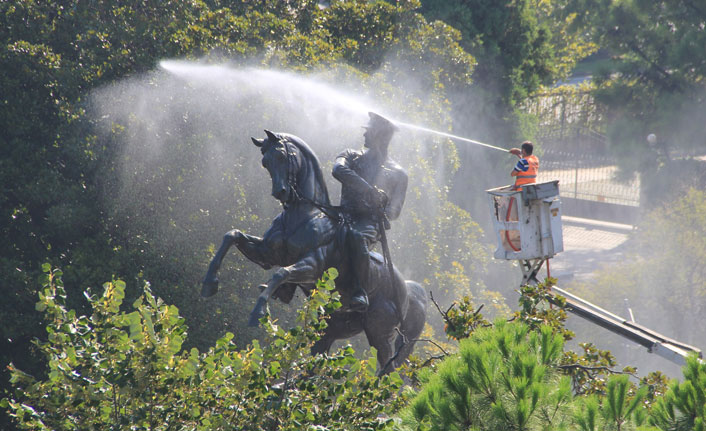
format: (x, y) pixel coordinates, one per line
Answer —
(672, 350)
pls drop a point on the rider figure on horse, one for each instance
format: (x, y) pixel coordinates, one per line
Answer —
(373, 189)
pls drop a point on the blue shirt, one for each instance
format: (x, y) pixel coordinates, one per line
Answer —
(522, 165)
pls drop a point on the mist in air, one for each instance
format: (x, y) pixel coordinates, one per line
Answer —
(153, 119)
(185, 170)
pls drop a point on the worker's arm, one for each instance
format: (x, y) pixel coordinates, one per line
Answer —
(521, 166)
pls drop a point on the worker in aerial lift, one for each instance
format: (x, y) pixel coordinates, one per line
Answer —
(526, 169)
(525, 172)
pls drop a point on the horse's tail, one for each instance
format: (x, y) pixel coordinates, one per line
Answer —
(413, 323)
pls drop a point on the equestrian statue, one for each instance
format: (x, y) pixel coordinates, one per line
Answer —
(310, 235)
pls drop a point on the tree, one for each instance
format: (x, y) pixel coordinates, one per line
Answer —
(657, 85)
(619, 408)
(520, 47)
(482, 385)
(683, 406)
(503, 377)
(64, 201)
(113, 369)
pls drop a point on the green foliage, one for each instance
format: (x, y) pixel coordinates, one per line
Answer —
(463, 320)
(511, 46)
(619, 406)
(619, 409)
(502, 378)
(520, 47)
(588, 370)
(682, 174)
(61, 200)
(569, 42)
(683, 406)
(367, 37)
(63, 197)
(663, 270)
(113, 369)
(657, 85)
(539, 307)
(656, 383)
(516, 376)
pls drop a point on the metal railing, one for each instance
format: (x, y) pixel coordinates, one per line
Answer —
(589, 177)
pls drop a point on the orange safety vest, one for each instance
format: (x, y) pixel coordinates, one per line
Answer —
(530, 176)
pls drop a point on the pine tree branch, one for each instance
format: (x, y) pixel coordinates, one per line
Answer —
(589, 369)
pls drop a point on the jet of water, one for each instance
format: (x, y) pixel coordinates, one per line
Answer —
(448, 135)
(305, 90)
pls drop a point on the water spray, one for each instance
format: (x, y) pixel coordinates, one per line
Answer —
(290, 86)
(449, 135)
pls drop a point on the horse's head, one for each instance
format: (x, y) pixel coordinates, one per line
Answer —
(282, 160)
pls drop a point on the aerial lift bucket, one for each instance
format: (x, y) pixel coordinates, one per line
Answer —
(527, 224)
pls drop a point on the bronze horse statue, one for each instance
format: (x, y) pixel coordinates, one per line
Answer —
(307, 238)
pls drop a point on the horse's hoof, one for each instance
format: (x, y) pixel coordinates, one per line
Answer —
(209, 287)
(257, 313)
(254, 321)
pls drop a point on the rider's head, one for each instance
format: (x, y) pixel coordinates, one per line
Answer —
(378, 131)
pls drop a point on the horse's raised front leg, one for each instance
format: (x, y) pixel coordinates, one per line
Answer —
(307, 270)
(251, 246)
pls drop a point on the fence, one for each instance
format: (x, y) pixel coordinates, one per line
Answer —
(589, 177)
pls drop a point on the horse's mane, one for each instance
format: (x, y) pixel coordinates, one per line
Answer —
(321, 192)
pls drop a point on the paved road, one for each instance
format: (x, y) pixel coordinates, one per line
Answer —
(588, 245)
